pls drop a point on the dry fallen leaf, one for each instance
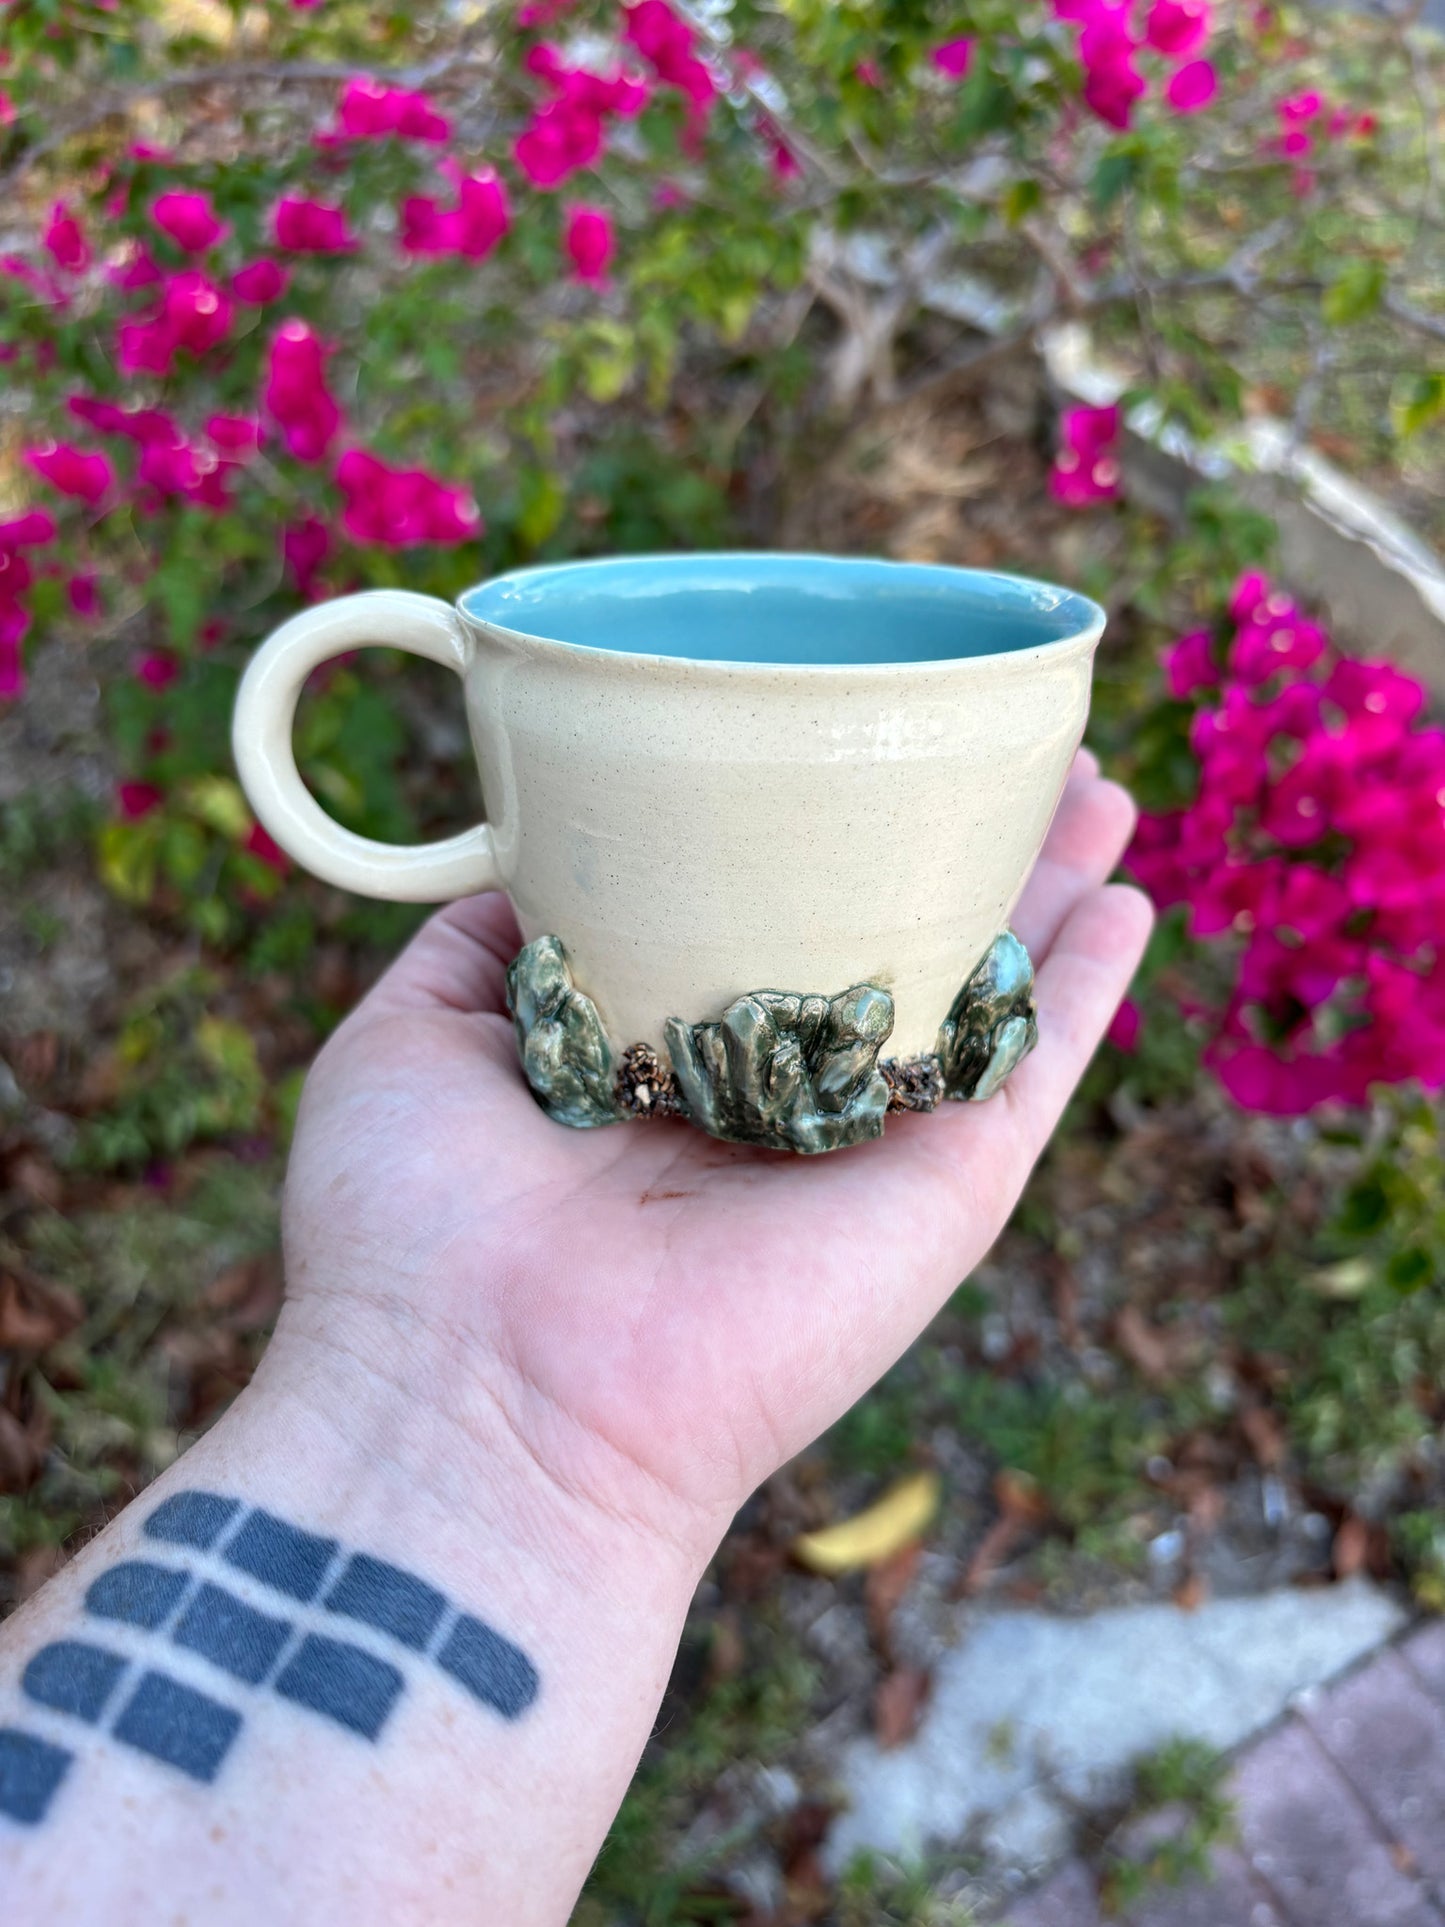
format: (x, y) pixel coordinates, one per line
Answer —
(22, 1450)
(35, 1314)
(898, 1704)
(1351, 1547)
(1191, 1592)
(1264, 1435)
(885, 1589)
(1145, 1347)
(902, 1514)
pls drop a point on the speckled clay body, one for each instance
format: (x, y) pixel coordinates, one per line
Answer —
(713, 777)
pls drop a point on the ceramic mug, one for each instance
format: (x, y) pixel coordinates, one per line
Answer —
(760, 816)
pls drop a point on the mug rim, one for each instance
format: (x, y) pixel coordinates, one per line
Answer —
(1084, 636)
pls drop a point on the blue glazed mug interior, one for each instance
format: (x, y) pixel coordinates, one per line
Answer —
(785, 610)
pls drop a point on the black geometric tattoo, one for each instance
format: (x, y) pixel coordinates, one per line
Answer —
(297, 1653)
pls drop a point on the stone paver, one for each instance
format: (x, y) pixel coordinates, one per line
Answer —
(1233, 1898)
(1032, 1711)
(1066, 1901)
(1341, 1813)
(1424, 1653)
(1387, 1735)
(1311, 1843)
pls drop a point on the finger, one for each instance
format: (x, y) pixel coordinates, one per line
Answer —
(1090, 832)
(984, 1152)
(456, 961)
(1080, 984)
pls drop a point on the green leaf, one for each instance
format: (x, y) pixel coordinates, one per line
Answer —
(1020, 200)
(129, 854)
(1118, 170)
(1417, 403)
(543, 498)
(1355, 292)
(1410, 1269)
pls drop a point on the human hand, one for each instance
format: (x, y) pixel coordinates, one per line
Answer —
(658, 1319)
(528, 1370)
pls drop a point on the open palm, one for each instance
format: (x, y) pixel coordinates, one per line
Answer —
(660, 1319)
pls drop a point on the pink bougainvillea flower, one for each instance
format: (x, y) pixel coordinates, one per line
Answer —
(138, 268)
(668, 44)
(1189, 664)
(541, 13)
(1086, 469)
(568, 132)
(72, 471)
(136, 800)
(781, 159)
(262, 844)
(235, 435)
(370, 110)
(157, 669)
(1374, 689)
(472, 228)
(260, 281)
(1270, 643)
(32, 529)
(954, 57)
(296, 395)
(64, 240)
(305, 548)
(1191, 87)
(144, 347)
(1317, 841)
(1124, 1030)
(1111, 89)
(7, 109)
(189, 219)
(869, 72)
(1177, 28)
(400, 508)
(311, 227)
(589, 242)
(83, 589)
(1301, 107)
(1248, 593)
(197, 312)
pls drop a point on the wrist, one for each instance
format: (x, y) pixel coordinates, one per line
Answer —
(365, 1430)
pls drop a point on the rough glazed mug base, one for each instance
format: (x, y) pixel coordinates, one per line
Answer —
(788, 1070)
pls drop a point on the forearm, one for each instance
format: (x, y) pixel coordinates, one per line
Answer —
(445, 1746)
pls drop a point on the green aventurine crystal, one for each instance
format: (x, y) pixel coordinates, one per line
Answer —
(797, 1073)
(565, 1053)
(992, 1025)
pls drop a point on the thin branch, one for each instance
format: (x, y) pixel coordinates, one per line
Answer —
(275, 73)
(1413, 317)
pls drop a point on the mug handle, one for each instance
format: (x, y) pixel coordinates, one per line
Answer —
(456, 866)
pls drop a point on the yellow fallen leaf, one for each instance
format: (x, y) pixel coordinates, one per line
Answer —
(1345, 1280)
(900, 1516)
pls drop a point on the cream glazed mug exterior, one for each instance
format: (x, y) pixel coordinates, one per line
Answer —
(763, 819)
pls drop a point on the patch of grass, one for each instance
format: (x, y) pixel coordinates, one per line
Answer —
(108, 1390)
(183, 1073)
(639, 1879)
(1182, 1784)
(36, 831)
(875, 1892)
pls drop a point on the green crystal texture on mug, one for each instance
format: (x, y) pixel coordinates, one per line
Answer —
(992, 1025)
(793, 1072)
(565, 1053)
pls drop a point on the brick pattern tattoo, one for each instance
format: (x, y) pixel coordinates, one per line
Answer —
(296, 1647)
